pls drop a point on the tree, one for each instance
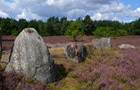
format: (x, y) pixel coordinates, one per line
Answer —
(5, 24)
(59, 26)
(73, 30)
(109, 32)
(108, 23)
(34, 24)
(53, 26)
(88, 25)
(22, 23)
(135, 28)
(41, 28)
(139, 19)
(63, 25)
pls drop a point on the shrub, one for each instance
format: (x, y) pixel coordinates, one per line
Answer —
(121, 32)
(109, 32)
(134, 32)
(14, 32)
(15, 81)
(74, 30)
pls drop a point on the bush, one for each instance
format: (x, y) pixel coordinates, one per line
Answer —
(14, 32)
(74, 30)
(121, 32)
(135, 32)
(14, 81)
(109, 32)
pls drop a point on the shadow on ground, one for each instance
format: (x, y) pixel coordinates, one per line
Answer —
(61, 72)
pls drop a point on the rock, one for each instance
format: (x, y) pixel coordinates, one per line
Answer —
(102, 43)
(30, 56)
(76, 52)
(126, 46)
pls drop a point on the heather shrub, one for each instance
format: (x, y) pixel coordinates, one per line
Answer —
(1, 80)
(29, 86)
(113, 71)
(108, 69)
(14, 81)
(10, 80)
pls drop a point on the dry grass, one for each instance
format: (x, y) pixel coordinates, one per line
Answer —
(57, 52)
(101, 70)
(109, 69)
(4, 60)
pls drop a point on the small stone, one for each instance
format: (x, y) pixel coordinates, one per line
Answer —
(102, 43)
(126, 46)
(76, 52)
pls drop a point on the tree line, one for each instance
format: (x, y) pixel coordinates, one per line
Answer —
(62, 26)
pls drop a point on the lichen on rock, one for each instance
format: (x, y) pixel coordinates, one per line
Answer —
(31, 57)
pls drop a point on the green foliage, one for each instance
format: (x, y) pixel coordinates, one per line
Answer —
(88, 25)
(59, 26)
(108, 23)
(133, 27)
(74, 30)
(109, 32)
(63, 25)
(22, 23)
(135, 32)
(30, 80)
(121, 32)
(52, 26)
(14, 32)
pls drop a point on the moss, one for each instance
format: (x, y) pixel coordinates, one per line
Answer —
(2, 66)
(30, 31)
(130, 86)
(39, 38)
(95, 86)
(30, 80)
(123, 80)
(97, 74)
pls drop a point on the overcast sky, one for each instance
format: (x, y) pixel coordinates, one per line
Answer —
(122, 10)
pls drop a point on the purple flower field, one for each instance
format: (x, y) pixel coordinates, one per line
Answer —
(109, 69)
(114, 72)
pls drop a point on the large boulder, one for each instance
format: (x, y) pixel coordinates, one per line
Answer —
(102, 43)
(76, 52)
(126, 46)
(30, 56)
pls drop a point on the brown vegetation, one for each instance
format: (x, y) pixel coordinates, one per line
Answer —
(134, 40)
(109, 69)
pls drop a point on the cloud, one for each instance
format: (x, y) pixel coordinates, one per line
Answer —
(3, 14)
(136, 13)
(138, 9)
(27, 14)
(42, 9)
(97, 16)
(114, 7)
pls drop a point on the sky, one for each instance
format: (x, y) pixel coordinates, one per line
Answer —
(121, 10)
